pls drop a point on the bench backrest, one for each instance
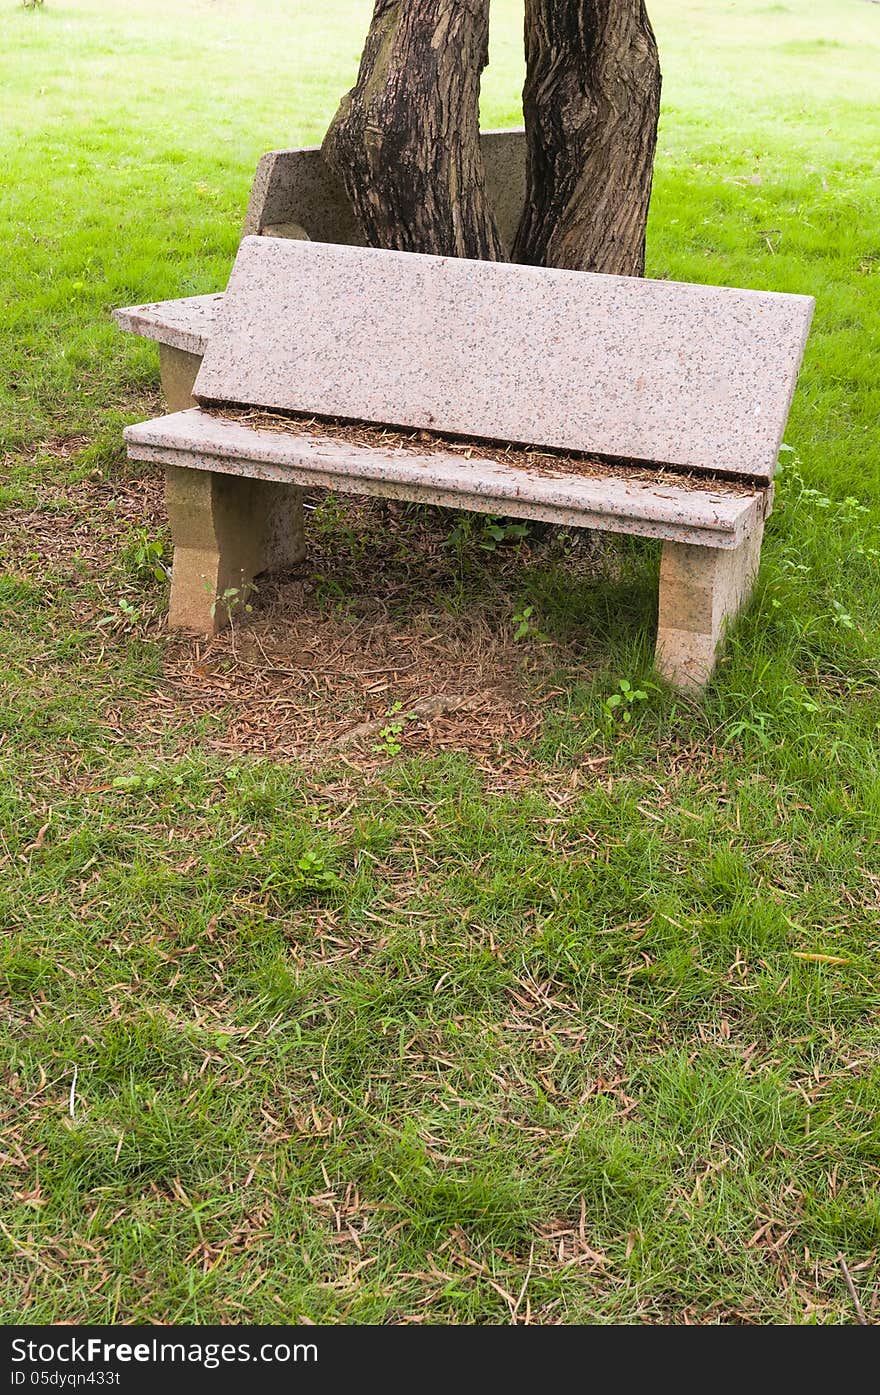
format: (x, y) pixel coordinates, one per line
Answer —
(699, 377)
(297, 190)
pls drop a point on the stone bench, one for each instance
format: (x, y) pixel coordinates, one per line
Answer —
(296, 195)
(658, 410)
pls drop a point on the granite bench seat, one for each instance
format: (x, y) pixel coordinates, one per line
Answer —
(700, 513)
(690, 384)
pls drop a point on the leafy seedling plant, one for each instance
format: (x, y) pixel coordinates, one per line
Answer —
(389, 743)
(232, 600)
(489, 533)
(524, 626)
(127, 617)
(311, 873)
(621, 704)
(146, 557)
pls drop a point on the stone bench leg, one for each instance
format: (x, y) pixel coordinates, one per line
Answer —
(178, 370)
(227, 529)
(701, 590)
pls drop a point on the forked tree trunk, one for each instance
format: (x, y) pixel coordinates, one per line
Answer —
(591, 103)
(405, 140)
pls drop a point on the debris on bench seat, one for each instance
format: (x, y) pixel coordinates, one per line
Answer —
(551, 462)
(633, 406)
(617, 502)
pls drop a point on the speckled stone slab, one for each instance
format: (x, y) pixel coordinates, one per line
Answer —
(296, 189)
(184, 324)
(295, 194)
(199, 440)
(699, 377)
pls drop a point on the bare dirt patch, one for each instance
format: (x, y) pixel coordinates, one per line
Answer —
(368, 647)
(387, 639)
(79, 526)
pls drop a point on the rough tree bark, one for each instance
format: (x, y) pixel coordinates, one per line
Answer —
(405, 140)
(591, 103)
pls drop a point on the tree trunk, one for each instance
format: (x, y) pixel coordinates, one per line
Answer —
(405, 140)
(591, 103)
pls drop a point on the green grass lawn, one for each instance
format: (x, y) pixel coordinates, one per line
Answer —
(521, 1012)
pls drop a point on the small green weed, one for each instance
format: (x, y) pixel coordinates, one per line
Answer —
(389, 743)
(525, 626)
(126, 617)
(488, 533)
(144, 557)
(621, 704)
(311, 873)
(234, 600)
